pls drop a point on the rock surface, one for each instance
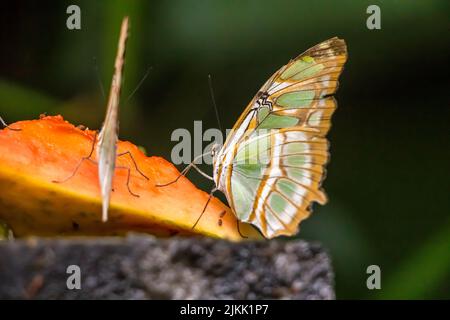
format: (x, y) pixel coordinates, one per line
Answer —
(143, 267)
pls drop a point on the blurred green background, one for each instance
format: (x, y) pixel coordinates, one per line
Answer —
(389, 179)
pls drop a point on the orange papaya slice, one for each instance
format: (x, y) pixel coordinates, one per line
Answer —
(35, 199)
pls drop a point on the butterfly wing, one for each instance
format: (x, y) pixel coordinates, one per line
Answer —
(275, 177)
(108, 136)
(274, 160)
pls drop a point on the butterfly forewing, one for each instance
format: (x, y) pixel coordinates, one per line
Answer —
(273, 164)
(108, 136)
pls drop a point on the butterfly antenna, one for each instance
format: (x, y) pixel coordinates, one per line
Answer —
(97, 74)
(211, 91)
(139, 84)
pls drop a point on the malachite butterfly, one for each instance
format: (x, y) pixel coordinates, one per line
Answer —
(272, 164)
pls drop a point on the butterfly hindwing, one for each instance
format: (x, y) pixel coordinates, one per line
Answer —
(275, 176)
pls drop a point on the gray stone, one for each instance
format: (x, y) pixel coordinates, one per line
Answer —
(143, 267)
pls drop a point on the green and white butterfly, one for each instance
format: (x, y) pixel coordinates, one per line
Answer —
(272, 164)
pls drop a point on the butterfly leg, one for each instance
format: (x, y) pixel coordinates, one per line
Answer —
(134, 162)
(206, 205)
(185, 171)
(80, 162)
(220, 222)
(207, 176)
(182, 174)
(5, 125)
(128, 180)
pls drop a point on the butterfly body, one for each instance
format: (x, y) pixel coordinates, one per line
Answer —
(272, 164)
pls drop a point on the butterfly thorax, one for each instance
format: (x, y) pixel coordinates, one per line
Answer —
(261, 100)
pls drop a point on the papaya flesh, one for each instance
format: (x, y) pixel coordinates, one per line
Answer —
(37, 156)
